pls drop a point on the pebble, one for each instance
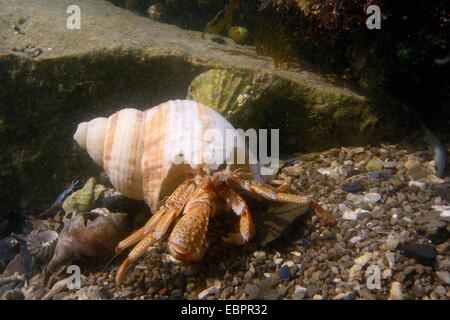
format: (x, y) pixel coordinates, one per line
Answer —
(355, 186)
(444, 276)
(14, 294)
(418, 289)
(395, 292)
(285, 273)
(299, 293)
(390, 257)
(423, 253)
(390, 244)
(344, 296)
(372, 197)
(374, 165)
(202, 295)
(260, 256)
(354, 215)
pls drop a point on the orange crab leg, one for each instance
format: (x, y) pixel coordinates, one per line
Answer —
(187, 240)
(246, 225)
(268, 193)
(176, 201)
(145, 243)
(155, 228)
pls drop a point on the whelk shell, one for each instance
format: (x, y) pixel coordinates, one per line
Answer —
(147, 154)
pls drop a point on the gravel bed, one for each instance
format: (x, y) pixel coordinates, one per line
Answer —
(391, 241)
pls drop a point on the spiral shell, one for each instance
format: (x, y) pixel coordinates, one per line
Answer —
(42, 245)
(147, 154)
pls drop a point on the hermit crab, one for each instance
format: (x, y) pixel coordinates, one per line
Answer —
(168, 152)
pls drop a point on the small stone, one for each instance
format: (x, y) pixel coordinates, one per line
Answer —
(366, 294)
(374, 165)
(390, 244)
(389, 164)
(299, 293)
(344, 296)
(440, 291)
(284, 272)
(260, 256)
(390, 257)
(362, 260)
(355, 186)
(355, 239)
(414, 169)
(424, 253)
(396, 291)
(444, 276)
(354, 215)
(15, 294)
(202, 295)
(418, 289)
(387, 273)
(372, 197)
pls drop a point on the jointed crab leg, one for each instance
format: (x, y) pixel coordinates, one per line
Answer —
(187, 240)
(268, 193)
(155, 228)
(176, 201)
(246, 226)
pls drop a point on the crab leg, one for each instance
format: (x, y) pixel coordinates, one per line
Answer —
(187, 240)
(176, 201)
(246, 227)
(155, 228)
(145, 243)
(268, 193)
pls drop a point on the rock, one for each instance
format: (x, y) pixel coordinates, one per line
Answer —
(395, 292)
(260, 256)
(418, 289)
(285, 273)
(390, 257)
(23, 263)
(202, 295)
(344, 296)
(353, 187)
(423, 253)
(360, 262)
(372, 197)
(433, 226)
(444, 211)
(374, 165)
(154, 55)
(15, 294)
(5, 288)
(299, 293)
(444, 276)
(390, 244)
(354, 215)
(264, 289)
(415, 170)
(9, 248)
(92, 293)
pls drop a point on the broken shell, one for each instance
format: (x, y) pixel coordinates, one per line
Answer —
(42, 245)
(83, 238)
(80, 200)
(147, 154)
